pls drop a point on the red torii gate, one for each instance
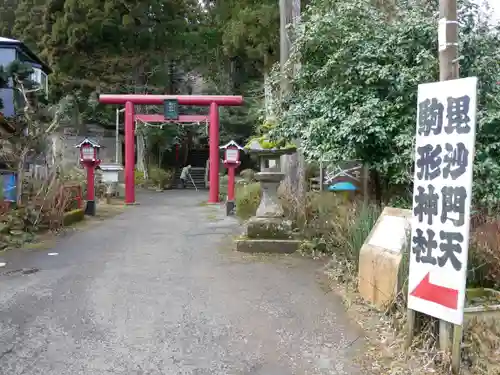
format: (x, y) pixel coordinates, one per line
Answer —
(212, 101)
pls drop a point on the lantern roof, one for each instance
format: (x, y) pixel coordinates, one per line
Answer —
(231, 143)
(90, 141)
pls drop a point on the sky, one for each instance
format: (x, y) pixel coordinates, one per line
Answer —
(495, 9)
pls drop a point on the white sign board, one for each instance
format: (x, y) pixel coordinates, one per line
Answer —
(390, 233)
(88, 153)
(444, 153)
(109, 176)
(232, 155)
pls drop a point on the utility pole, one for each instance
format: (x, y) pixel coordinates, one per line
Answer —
(292, 165)
(448, 69)
(448, 46)
(286, 18)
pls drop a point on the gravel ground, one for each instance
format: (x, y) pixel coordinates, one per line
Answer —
(158, 290)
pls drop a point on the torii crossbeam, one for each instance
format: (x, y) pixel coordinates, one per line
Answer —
(211, 101)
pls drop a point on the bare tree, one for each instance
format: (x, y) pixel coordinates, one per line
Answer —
(33, 123)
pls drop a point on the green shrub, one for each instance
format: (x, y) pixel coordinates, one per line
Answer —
(363, 221)
(73, 216)
(170, 178)
(312, 170)
(238, 182)
(248, 175)
(223, 180)
(405, 202)
(160, 177)
(334, 225)
(247, 199)
(139, 178)
(223, 188)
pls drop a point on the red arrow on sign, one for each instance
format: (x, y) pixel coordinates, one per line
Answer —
(441, 295)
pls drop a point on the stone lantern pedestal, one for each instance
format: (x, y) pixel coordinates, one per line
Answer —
(268, 231)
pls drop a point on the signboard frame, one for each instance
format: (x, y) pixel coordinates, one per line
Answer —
(444, 155)
(171, 109)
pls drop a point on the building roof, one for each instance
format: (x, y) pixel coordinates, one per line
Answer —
(8, 40)
(26, 50)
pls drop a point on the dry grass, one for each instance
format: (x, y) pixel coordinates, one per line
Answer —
(387, 334)
(485, 253)
(338, 228)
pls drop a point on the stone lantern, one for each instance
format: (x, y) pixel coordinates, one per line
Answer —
(268, 231)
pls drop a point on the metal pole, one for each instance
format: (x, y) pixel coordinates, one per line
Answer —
(192, 181)
(117, 136)
(321, 176)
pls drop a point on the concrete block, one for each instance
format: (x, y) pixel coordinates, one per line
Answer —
(380, 257)
(120, 189)
(248, 245)
(268, 227)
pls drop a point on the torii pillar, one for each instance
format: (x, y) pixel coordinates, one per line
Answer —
(211, 101)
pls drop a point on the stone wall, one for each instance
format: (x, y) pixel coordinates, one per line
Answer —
(64, 142)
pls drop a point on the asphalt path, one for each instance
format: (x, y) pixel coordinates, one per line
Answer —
(158, 290)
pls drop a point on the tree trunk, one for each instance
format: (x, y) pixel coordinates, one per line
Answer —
(171, 76)
(79, 124)
(268, 98)
(377, 184)
(292, 165)
(20, 175)
(141, 152)
(57, 153)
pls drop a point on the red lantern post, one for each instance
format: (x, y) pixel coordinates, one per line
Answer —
(89, 158)
(231, 162)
